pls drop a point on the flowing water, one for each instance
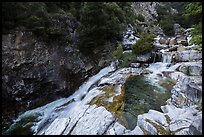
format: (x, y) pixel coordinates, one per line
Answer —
(30, 121)
(146, 92)
(143, 92)
(166, 57)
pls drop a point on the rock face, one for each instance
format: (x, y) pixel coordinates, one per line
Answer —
(191, 68)
(35, 73)
(147, 9)
(162, 41)
(182, 109)
(189, 55)
(145, 58)
(172, 42)
(95, 113)
(86, 116)
(178, 29)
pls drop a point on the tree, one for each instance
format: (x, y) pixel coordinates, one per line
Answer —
(194, 11)
(144, 44)
(118, 52)
(101, 22)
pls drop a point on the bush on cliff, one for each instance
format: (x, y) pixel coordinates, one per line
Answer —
(100, 22)
(144, 44)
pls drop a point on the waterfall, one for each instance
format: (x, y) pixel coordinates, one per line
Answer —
(166, 57)
(83, 89)
(44, 112)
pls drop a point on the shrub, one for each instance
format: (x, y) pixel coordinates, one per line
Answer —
(127, 59)
(140, 17)
(167, 24)
(124, 58)
(144, 44)
(107, 26)
(118, 52)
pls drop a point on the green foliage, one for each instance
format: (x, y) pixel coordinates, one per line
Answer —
(162, 11)
(118, 52)
(194, 11)
(197, 29)
(124, 58)
(127, 59)
(101, 22)
(196, 39)
(165, 19)
(144, 44)
(29, 15)
(184, 21)
(38, 17)
(140, 17)
(179, 6)
(167, 24)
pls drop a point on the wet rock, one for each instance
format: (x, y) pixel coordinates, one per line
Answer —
(193, 92)
(172, 42)
(57, 127)
(191, 68)
(94, 122)
(178, 29)
(142, 123)
(156, 116)
(196, 127)
(181, 39)
(162, 41)
(119, 76)
(189, 55)
(135, 65)
(174, 48)
(182, 131)
(182, 118)
(129, 38)
(116, 129)
(167, 108)
(180, 48)
(136, 131)
(186, 92)
(145, 58)
(167, 41)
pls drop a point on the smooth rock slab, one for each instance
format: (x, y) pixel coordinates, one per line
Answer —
(146, 125)
(57, 126)
(155, 116)
(94, 122)
(136, 131)
(196, 127)
(189, 55)
(119, 76)
(116, 129)
(191, 68)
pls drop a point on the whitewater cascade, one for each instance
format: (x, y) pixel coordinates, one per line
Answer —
(129, 37)
(44, 113)
(83, 89)
(166, 57)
